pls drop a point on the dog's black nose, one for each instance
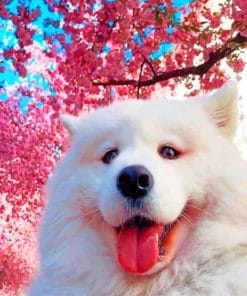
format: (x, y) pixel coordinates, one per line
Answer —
(134, 181)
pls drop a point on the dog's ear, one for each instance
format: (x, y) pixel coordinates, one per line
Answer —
(222, 107)
(70, 122)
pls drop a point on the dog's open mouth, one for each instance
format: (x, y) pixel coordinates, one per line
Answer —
(142, 243)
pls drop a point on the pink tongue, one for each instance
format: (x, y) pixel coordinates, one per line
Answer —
(138, 249)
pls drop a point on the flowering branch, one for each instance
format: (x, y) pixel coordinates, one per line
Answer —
(229, 47)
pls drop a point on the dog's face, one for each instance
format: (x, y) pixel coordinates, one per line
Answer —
(143, 167)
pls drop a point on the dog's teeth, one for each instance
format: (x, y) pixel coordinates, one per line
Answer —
(162, 251)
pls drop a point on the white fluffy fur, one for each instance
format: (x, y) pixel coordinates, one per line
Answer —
(77, 244)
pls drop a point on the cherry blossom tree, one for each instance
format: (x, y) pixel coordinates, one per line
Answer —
(68, 56)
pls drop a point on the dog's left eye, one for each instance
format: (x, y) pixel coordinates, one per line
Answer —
(168, 152)
(110, 155)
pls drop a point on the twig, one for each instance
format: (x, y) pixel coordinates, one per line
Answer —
(229, 47)
(150, 65)
(140, 76)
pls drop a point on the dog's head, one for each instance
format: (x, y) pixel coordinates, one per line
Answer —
(143, 169)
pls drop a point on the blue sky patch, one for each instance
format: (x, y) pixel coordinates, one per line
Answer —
(9, 77)
(106, 48)
(170, 30)
(138, 39)
(3, 97)
(180, 3)
(128, 55)
(164, 48)
(39, 81)
(148, 30)
(177, 17)
(7, 34)
(13, 6)
(23, 104)
(162, 7)
(39, 104)
(110, 24)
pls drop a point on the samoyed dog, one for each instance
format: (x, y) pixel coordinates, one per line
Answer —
(151, 199)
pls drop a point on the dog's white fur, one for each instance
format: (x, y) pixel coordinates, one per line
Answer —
(77, 244)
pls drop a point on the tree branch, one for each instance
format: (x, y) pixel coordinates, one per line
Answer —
(150, 65)
(229, 47)
(140, 76)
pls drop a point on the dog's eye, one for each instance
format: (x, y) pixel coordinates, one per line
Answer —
(110, 155)
(168, 152)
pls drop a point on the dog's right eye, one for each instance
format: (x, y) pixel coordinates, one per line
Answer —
(110, 155)
(168, 152)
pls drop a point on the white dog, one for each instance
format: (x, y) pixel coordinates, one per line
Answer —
(151, 199)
